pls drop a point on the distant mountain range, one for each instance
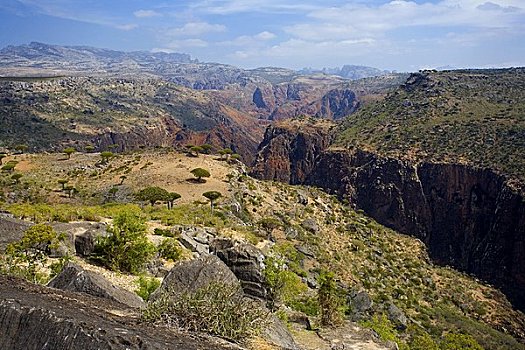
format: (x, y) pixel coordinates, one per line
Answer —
(348, 71)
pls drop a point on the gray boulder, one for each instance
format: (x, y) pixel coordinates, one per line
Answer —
(310, 225)
(360, 304)
(277, 334)
(246, 262)
(397, 316)
(189, 276)
(74, 278)
(11, 230)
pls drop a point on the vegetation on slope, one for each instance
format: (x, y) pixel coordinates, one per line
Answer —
(470, 116)
(320, 252)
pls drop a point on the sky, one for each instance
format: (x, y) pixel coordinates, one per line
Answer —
(394, 35)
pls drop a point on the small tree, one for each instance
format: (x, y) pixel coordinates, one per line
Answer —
(122, 178)
(171, 198)
(199, 173)
(63, 183)
(152, 194)
(89, 148)
(127, 248)
(235, 156)
(206, 148)
(2, 156)
(10, 166)
(69, 151)
(212, 196)
(195, 150)
(106, 155)
(16, 177)
(225, 153)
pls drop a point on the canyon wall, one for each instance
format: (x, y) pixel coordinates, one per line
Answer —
(468, 217)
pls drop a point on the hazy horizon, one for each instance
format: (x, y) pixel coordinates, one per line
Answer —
(391, 35)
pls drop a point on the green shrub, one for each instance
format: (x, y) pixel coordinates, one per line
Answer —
(383, 327)
(29, 255)
(146, 286)
(330, 300)
(453, 341)
(282, 284)
(218, 309)
(127, 248)
(423, 342)
(164, 232)
(170, 249)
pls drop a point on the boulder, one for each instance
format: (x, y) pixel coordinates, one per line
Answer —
(360, 304)
(190, 276)
(277, 334)
(246, 262)
(11, 230)
(310, 225)
(397, 316)
(74, 278)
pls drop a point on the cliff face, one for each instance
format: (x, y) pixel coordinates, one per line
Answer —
(468, 217)
(289, 156)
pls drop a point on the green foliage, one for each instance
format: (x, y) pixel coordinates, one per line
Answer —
(152, 194)
(199, 173)
(196, 150)
(206, 148)
(384, 328)
(26, 257)
(453, 341)
(212, 196)
(146, 286)
(225, 152)
(89, 148)
(16, 177)
(127, 248)
(330, 301)
(163, 232)
(270, 223)
(282, 284)
(170, 249)
(21, 148)
(106, 156)
(10, 166)
(69, 151)
(63, 183)
(423, 342)
(218, 309)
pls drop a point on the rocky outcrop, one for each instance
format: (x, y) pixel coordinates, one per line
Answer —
(11, 230)
(36, 317)
(469, 218)
(190, 276)
(75, 279)
(288, 151)
(246, 262)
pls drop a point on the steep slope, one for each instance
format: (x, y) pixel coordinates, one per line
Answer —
(411, 167)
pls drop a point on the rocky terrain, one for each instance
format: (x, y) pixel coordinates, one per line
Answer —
(462, 202)
(65, 95)
(256, 226)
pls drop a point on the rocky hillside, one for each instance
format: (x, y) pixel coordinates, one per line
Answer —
(126, 114)
(439, 168)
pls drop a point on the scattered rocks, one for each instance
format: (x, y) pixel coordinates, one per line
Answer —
(76, 279)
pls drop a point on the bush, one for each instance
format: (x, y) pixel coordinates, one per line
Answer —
(330, 301)
(454, 341)
(164, 232)
(219, 309)
(127, 248)
(170, 249)
(146, 286)
(28, 256)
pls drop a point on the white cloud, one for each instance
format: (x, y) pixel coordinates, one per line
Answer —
(264, 36)
(126, 27)
(196, 29)
(146, 13)
(226, 7)
(186, 43)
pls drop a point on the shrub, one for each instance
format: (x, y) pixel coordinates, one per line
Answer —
(219, 309)
(26, 257)
(146, 286)
(282, 284)
(423, 342)
(170, 249)
(453, 341)
(330, 302)
(127, 248)
(164, 232)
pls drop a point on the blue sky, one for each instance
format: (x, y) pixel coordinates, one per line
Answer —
(394, 35)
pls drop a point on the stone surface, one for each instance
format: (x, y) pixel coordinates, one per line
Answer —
(189, 276)
(37, 317)
(76, 279)
(397, 316)
(11, 230)
(276, 333)
(246, 262)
